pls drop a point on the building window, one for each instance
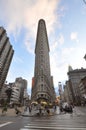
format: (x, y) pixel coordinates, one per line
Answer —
(41, 78)
(41, 95)
(41, 87)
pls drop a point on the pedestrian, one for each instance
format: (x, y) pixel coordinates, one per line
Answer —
(61, 108)
(54, 107)
(39, 108)
(17, 111)
(30, 108)
(71, 108)
(48, 112)
(4, 109)
(25, 109)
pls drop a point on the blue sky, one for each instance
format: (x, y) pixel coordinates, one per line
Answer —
(66, 28)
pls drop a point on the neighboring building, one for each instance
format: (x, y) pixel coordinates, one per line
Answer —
(68, 96)
(3, 95)
(60, 91)
(15, 95)
(26, 98)
(22, 84)
(42, 82)
(75, 76)
(18, 90)
(82, 88)
(6, 54)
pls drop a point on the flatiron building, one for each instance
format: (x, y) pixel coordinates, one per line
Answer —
(42, 82)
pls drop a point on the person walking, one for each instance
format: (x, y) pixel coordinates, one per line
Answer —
(4, 109)
(18, 112)
(30, 108)
(39, 108)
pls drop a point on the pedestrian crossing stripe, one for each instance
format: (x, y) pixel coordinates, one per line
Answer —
(1, 125)
(50, 125)
(53, 128)
(26, 129)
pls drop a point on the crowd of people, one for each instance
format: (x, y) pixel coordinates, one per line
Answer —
(40, 109)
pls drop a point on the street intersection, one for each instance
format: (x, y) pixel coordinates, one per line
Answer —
(60, 121)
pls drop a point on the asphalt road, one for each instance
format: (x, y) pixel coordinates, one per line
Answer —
(56, 122)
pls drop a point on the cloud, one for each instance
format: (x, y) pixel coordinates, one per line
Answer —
(29, 43)
(59, 61)
(53, 46)
(56, 43)
(74, 36)
(18, 59)
(61, 39)
(84, 10)
(67, 51)
(58, 68)
(26, 13)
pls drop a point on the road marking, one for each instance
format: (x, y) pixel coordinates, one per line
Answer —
(5, 124)
(26, 129)
(23, 129)
(55, 125)
(55, 128)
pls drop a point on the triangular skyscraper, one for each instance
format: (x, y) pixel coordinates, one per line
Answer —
(42, 82)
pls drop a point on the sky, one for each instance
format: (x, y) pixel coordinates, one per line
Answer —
(66, 29)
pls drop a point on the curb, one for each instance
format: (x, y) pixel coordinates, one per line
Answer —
(35, 115)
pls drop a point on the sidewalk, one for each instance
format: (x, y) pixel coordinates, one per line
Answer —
(44, 113)
(80, 110)
(11, 111)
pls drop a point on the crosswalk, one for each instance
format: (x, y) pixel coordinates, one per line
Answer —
(4, 124)
(50, 123)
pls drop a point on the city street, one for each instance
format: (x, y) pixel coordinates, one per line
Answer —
(42, 65)
(61, 121)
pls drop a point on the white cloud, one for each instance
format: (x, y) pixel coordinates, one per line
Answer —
(58, 68)
(74, 36)
(61, 39)
(26, 13)
(61, 59)
(56, 43)
(18, 59)
(18, 14)
(67, 51)
(53, 46)
(29, 43)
